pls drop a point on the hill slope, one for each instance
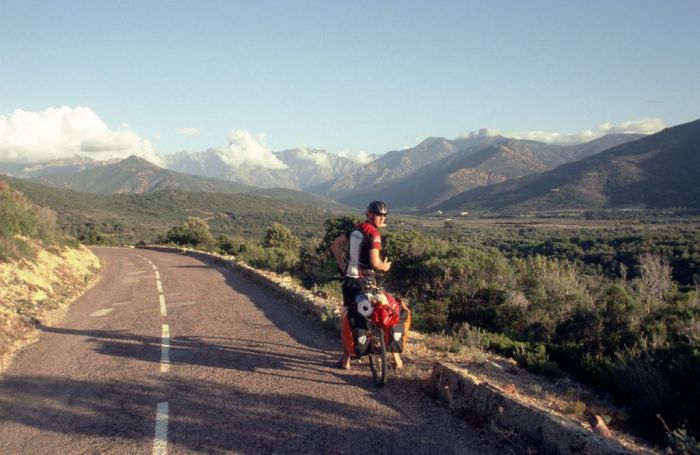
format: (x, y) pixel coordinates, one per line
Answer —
(121, 218)
(134, 175)
(479, 164)
(658, 171)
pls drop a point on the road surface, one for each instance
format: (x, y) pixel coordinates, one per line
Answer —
(169, 354)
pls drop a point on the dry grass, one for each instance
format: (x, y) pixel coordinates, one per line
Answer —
(33, 292)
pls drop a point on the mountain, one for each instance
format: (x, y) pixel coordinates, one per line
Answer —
(55, 167)
(304, 167)
(397, 164)
(135, 175)
(658, 171)
(473, 164)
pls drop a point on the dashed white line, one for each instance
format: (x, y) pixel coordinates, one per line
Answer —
(160, 439)
(99, 313)
(157, 275)
(165, 350)
(160, 286)
(163, 308)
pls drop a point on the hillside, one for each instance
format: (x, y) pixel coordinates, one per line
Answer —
(398, 164)
(121, 218)
(136, 175)
(480, 164)
(454, 174)
(658, 171)
(40, 270)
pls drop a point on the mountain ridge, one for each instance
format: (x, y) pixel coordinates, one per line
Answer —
(657, 171)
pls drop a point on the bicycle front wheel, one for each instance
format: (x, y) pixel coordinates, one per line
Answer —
(377, 356)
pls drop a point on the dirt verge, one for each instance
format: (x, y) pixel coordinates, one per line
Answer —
(39, 291)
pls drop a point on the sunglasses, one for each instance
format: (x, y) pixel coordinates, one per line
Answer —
(383, 215)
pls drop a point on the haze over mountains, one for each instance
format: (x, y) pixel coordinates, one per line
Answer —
(299, 169)
(480, 171)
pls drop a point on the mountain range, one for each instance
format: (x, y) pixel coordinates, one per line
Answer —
(135, 175)
(303, 168)
(657, 171)
(476, 172)
(438, 169)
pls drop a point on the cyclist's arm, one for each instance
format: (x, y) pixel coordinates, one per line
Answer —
(376, 261)
(338, 247)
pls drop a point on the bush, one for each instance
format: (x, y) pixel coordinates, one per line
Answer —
(193, 233)
(279, 236)
(229, 246)
(274, 259)
(21, 217)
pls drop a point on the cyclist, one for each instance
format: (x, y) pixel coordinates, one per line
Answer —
(363, 243)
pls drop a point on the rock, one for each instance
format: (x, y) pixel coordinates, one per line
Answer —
(510, 389)
(600, 427)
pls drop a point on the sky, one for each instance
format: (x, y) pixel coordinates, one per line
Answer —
(111, 78)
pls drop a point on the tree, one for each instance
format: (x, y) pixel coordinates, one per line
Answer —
(194, 232)
(279, 236)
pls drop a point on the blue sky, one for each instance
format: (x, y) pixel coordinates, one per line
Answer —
(345, 76)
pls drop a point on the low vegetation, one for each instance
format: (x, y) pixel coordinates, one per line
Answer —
(635, 335)
(40, 269)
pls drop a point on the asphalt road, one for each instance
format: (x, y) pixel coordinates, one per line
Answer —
(168, 354)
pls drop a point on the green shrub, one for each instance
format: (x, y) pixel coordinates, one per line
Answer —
(279, 236)
(193, 233)
(536, 360)
(228, 245)
(274, 259)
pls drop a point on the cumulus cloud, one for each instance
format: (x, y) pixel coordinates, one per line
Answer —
(641, 126)
(361, 157)
(483, 132)
(244, 148)
(319, 158)
(65, 132)
(187, 131)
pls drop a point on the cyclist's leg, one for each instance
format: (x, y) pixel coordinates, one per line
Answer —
(346, 341)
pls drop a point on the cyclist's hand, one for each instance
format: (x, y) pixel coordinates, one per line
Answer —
(386, 265)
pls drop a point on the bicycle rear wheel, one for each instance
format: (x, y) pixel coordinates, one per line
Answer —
(377, 356)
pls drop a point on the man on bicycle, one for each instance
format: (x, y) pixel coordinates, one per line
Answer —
(363, 243)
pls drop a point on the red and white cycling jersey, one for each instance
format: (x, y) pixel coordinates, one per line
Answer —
(363, 238)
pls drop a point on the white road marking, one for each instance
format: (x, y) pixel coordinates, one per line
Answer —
(120, 303)
(135, 273)
(165, 350)
(160, 286)
(179, 304)
(154, 267)
(163, 308)
(102, 312)
(160, 440)
(157, 275)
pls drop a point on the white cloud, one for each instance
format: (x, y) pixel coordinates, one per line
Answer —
(65, 132)
(187, 131)
(244, 148)
(641, 126)
(361, 157)
(321, 159)
(483, 132)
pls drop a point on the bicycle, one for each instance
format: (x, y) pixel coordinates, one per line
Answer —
(377, 353)
(382, 318)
